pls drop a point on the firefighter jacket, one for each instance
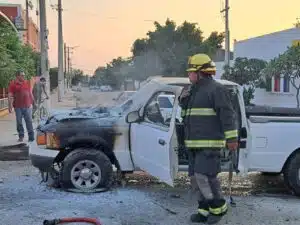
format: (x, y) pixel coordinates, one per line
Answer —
(208, 116)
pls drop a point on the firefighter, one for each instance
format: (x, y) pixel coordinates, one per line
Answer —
(209, 125)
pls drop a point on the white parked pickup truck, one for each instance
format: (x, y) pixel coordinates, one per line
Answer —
(135, 136)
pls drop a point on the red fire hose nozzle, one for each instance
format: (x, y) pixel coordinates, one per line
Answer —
(72, 220)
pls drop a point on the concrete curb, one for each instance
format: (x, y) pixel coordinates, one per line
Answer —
(4, 112)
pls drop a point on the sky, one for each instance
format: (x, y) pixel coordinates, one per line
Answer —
(105, 29)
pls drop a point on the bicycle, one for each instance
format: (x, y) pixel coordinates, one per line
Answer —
(41, 111)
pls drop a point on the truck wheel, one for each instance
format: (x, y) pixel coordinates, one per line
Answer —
(292, 174)
(86, 170)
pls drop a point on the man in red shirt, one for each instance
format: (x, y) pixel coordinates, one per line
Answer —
(21, 99)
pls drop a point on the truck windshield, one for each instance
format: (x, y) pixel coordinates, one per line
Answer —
(121, 109)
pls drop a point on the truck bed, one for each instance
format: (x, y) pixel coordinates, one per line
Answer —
(271, 111)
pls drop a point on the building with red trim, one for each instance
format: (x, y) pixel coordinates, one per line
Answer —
(279, 91)
(17, 16)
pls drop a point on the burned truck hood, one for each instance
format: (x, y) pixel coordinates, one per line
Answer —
(78, 122)
(95, 117)
(77, 113)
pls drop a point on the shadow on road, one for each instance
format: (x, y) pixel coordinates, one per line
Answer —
(14, 153)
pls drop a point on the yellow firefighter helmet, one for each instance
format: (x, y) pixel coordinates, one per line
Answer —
(201, 62)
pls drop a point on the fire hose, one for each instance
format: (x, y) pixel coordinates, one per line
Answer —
(72, 220)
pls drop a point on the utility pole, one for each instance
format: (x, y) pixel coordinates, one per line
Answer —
(60, 53)
(70, 75)
(28, 5)
(44, 49)
(227, 36)
(27, 21)
(65, 66)
(69, 64)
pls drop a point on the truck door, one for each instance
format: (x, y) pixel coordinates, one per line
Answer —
(241, 156)
(153, 140)
(244, 134)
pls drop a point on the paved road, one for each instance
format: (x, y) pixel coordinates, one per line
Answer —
(25, 201)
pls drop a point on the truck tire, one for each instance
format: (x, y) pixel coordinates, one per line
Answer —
(292, 173)
(86, 170)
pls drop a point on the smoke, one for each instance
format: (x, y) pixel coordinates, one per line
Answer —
(168, 61)
(147, 64)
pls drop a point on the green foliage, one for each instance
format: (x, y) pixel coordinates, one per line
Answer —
(248, 95)
(77, 76)
(114, 73)
(164, 51)
(53, 73)
(247, 73)
(15, 56)
(286, 65)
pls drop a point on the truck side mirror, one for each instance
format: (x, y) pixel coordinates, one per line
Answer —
(243, 132)
(133, 117)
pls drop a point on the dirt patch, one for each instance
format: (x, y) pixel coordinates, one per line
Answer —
(253, 184)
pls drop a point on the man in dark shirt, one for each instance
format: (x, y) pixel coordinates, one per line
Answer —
(20, 98)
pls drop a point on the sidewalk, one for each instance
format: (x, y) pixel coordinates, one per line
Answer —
(8, 131)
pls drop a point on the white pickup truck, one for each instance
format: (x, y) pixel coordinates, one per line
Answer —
(135, 136)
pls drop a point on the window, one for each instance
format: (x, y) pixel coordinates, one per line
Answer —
(156, 111)
(164, 102)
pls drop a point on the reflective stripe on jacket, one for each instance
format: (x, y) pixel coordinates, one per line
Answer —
(208, 116)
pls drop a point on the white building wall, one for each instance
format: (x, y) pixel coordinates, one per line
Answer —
(266, 48)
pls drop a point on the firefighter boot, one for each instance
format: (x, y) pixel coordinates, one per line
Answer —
(201, 215)
(217, 209)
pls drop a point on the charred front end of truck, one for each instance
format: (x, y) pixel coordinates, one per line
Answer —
(77, 150)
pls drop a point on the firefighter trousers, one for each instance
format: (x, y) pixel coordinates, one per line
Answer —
(204, 166)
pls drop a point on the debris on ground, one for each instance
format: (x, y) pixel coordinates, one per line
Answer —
(253, 184)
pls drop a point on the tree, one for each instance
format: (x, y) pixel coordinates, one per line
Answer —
(166, 49)
(77, 76)
(246, 72)
(53, 73)
(286, 65)
(14, 55)
(8, 65)
(114, 73)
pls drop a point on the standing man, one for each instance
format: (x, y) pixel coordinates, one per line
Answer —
(210, 125)
(20, 98)
(39, 89)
